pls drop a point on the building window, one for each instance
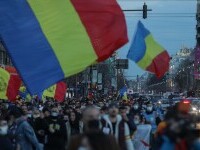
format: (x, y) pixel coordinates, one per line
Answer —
(4, 58)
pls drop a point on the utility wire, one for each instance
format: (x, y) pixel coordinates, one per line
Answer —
(164, 13)
(156, 0)
(163, 16)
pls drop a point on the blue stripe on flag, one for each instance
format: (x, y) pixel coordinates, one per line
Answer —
(28, 46)
(137, 51)
(122, 91)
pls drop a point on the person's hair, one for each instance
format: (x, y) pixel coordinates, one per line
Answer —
(101, 141)
(97, 140)
(122, 108)
(75, 142)
(104, 108)
(140, 116)
(76, 121)
(16, 112)
(91, 107)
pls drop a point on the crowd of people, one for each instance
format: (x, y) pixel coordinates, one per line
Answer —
(104, 124)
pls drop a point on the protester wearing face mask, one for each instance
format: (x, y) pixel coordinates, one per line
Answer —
(25, 135)
(29, 117)
(65, 118)
(57, 133)
(40, 126)
(137, 120)
(150, 116)
(116, 126)
(128, 119)
(5, 142)
(141, 140)
(4, 109)
(135, 109)
(46, 114)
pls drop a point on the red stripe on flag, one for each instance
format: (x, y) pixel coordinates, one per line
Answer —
(105, 24)
(60, 91)
(160, 64)
(145, 143)
(11, 69)
(13, 87)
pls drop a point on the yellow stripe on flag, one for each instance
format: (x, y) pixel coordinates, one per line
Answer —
(50, 92)
(4, 79)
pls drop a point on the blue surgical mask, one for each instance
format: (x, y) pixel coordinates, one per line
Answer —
(4, 130)
(136, 121)
(82, 148)
(29, 115)
(135, 107)
(54, 114)
(149, 108)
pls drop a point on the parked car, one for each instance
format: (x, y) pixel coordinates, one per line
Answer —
(164, 103)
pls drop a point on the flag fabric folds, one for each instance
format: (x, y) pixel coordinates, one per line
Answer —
(147, 53)
(9, 85)
(49, 40)
(56, 91)
(24, 94)
(123, 93)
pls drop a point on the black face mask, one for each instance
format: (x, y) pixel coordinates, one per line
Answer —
(93, 124)
(65, 121)
(54, 117)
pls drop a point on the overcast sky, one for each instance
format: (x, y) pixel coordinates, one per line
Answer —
(172, 23)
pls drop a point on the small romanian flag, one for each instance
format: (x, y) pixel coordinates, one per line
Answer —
(56, 91)
(123, 93)
(24, 94)
(9, 85)
(49, 40)
(147, 53)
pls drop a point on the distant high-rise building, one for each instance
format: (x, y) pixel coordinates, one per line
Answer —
(198, 23)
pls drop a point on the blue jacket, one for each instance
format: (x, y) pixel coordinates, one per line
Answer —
(26, 137)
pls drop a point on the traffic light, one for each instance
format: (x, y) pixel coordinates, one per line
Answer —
(144, 11)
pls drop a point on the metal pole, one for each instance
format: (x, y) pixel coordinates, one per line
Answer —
(136, 10)
(76, 86)
(117, 81)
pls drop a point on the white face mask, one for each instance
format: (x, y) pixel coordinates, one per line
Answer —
(6, 106)
(136, 121)
(36, 116)
(83, 148)
(149, 108)
(135, 107)
(29, 115)
(54, 114)
(3, 130)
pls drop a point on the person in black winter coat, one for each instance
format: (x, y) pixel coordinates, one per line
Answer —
(57, 134)
(40, 126)
(5, 142)
(128, 119)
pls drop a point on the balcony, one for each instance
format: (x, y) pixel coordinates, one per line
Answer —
(198, 26)
(198, 36)
(198, 15)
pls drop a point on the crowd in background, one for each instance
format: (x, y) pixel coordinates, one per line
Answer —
(103, 124)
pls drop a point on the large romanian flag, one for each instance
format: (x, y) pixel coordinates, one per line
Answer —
(49, 40)
(56, 91)
(147, 53)
(9, 85)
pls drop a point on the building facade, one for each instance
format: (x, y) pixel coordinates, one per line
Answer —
(198, 23)
(4, 58)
